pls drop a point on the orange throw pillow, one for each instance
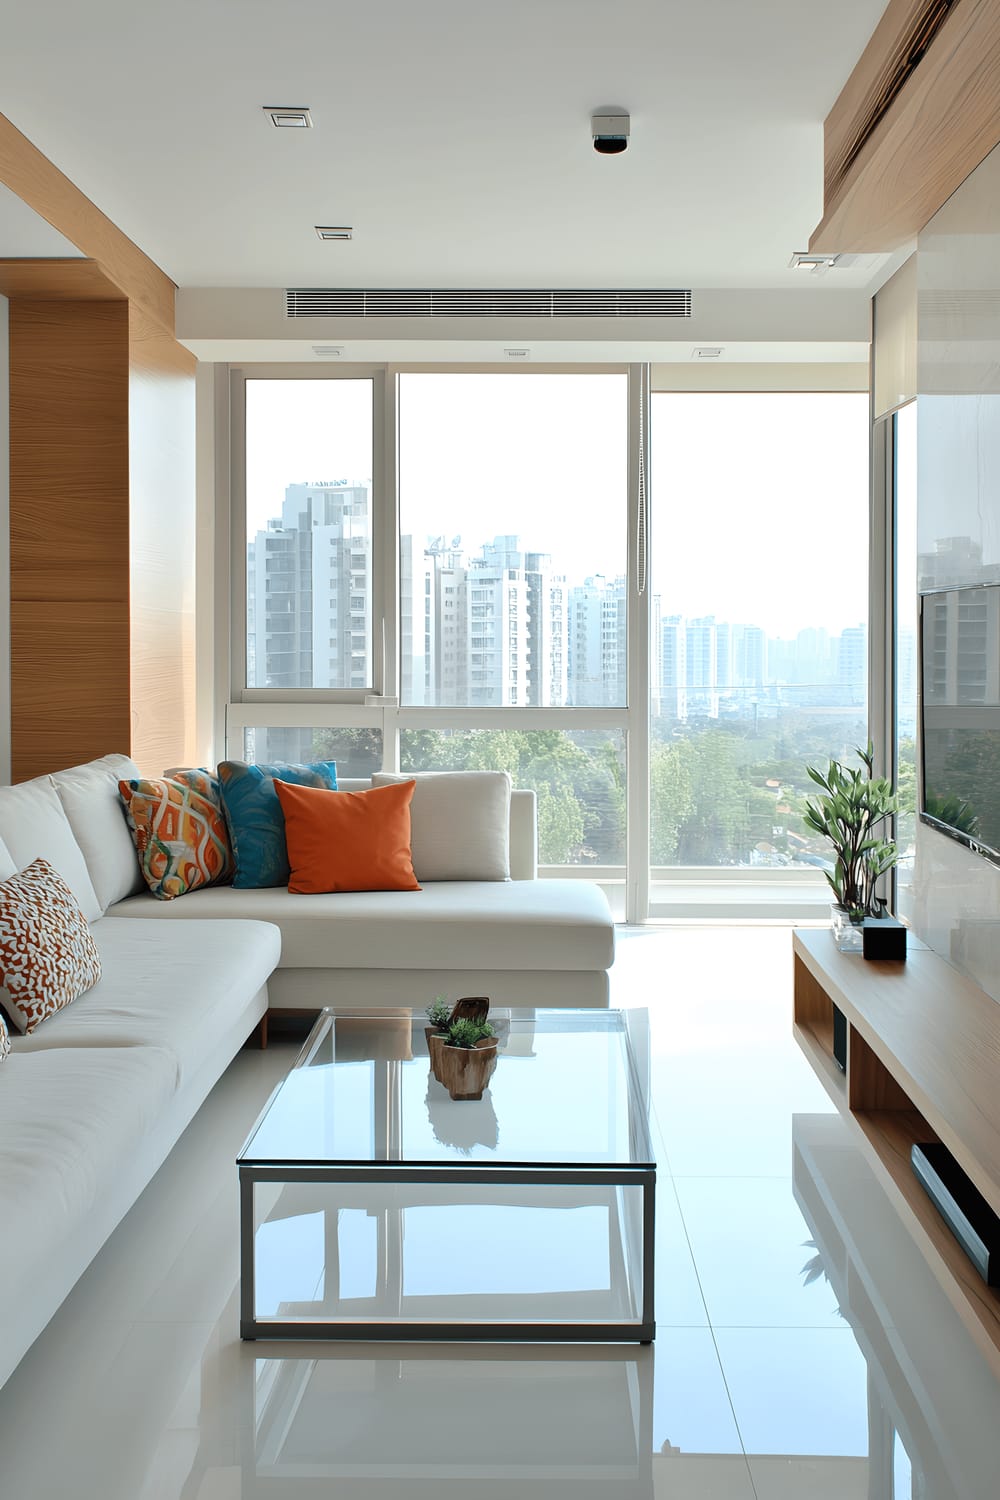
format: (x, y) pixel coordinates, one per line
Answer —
(348, 841)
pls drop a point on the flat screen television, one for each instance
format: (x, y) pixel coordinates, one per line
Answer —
(960, 715)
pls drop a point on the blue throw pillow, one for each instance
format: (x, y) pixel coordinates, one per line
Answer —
(255, 820)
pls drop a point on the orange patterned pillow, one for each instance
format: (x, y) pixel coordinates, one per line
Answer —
(179, 832)
(47, 954)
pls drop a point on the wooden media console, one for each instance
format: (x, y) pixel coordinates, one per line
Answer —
(923, 1064)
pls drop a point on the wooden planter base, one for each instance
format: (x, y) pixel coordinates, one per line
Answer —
(464, 1071)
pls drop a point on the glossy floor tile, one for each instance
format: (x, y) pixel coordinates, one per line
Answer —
(757, 1264)
(804, 1350)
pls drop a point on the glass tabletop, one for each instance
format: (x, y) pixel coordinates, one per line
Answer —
(565, 1093)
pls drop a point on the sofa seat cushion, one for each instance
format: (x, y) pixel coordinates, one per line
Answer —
(69, 1120)
(180, 988)
(520, 924)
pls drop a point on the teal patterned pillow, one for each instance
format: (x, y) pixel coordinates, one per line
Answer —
(256, 822)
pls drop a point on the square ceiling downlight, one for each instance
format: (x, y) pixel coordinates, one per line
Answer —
(288, 116)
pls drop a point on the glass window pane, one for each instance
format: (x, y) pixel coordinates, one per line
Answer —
(513, 496)
(578, 777)
(358, 752)
(759, 648)
(905, 490)
(309, 563)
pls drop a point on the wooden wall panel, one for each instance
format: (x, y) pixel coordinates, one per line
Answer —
(69, 661)
(940, 126)
(69, 533)
(162, 523)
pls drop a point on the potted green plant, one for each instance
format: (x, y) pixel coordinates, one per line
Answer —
(464, 1057)
(438, 1015)
(852, 815)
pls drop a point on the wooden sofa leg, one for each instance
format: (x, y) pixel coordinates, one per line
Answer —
(263, 1032)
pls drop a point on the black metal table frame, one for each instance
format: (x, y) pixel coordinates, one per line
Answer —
(459, 1330)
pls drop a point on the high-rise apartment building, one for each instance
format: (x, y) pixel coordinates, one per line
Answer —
(702, 666)
(673, 667)
(852, 664)
(548, 632)
(309, 591)
(598, 632)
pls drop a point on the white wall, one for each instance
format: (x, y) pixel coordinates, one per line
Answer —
(4, 544)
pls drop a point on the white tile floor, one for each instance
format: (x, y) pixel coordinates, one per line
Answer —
(803, 1348)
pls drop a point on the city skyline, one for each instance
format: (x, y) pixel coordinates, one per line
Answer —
(544, 456)
(498, 624)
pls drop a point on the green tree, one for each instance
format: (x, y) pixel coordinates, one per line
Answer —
(671, 801)
(717, 830)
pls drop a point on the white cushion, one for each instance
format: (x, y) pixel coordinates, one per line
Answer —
(179, 988)
(89, 795)
(33, 825)
(459, 824)
(473, 924)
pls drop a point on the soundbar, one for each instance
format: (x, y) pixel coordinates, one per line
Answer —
(962, 1206)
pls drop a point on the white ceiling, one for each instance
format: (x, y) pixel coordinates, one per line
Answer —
(25, 234)
(452, 134)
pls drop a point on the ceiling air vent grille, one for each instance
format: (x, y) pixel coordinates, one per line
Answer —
(313, 302)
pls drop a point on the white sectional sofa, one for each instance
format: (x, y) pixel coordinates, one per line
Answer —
(92, 1101)
(522, 942)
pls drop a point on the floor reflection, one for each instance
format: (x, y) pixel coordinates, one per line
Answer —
(933, 1400)
(140, 1389)
(532, 1423)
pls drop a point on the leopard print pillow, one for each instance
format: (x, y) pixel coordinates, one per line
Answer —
(47, 954)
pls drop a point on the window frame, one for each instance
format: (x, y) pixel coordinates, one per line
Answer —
(383, 486)
(378, 705)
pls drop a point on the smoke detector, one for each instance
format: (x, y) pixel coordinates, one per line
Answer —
(609, 129)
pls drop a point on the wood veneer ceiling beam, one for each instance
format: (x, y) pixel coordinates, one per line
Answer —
(58, 280)
(937, 128)
(50, 193)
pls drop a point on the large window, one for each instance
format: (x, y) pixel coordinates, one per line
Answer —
(759, 649)
(309, 534)
(513, 494)
(448, 570)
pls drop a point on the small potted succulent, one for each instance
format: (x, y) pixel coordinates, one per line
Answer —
(466, 1058)
(852, 814)
(462, 1045)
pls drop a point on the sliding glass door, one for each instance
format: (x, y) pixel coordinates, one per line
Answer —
(759, 640)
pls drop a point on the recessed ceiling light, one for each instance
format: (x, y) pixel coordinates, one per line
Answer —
(802, 261)
(707, 351)
(328, 351)
(288, 116)
(334, 231)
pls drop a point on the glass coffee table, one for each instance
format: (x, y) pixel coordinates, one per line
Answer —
(373, 1206)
